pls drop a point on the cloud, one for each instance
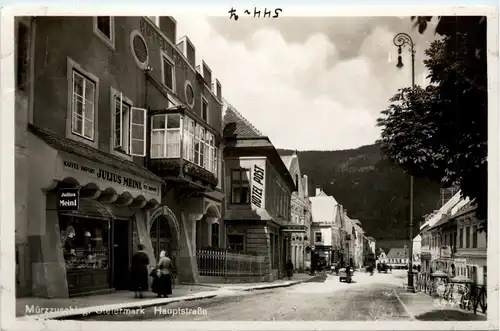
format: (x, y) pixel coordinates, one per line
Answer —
(303, 93)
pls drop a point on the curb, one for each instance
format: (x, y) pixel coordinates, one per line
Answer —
(292, 283)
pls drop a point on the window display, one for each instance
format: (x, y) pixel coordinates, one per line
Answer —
(85, 243)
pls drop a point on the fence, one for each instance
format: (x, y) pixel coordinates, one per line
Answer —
(468, 296)
(224, 263)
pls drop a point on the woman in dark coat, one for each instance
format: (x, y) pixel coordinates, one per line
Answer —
(162, 279)
(139, 272)
(289, 269)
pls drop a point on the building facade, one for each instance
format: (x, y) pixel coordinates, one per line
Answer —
(300, 213)
(259, 188)
(359, 249)
(326, 226)
(102, 111)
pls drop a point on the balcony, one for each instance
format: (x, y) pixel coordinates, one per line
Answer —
(183, 149)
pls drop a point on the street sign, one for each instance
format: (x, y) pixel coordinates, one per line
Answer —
(68, 199)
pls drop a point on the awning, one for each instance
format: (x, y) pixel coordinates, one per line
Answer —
(90, 208)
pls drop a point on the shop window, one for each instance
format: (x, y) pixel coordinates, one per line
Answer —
(236, 242)
(104, 29)
(240, 186)
(85, 243)
(83, 106)
(168, 72)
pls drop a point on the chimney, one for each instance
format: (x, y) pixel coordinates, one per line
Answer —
(188, 50)
(168, 25)
(318, 190)
(306, 186)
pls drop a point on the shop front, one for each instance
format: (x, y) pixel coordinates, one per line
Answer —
(83, 244)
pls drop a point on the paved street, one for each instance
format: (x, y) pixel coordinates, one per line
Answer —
(368, 298)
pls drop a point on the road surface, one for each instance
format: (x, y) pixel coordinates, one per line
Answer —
(368, 298)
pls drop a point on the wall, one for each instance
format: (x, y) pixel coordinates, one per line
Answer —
(277, 191)
(326, 236)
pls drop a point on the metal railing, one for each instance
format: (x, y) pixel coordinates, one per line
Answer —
(224, 263)
(468, 296)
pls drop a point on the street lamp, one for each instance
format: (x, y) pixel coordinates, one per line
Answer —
(400, 40)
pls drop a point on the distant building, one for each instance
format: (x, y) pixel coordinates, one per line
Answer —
(398, 257)
(325, 229)
(300, 213)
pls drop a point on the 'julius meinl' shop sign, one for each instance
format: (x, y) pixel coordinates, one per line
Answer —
(112, 177)
(258, 175)
(68, 199)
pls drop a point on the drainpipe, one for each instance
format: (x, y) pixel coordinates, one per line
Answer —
(148, 117)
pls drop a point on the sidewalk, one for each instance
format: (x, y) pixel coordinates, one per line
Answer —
(422, 307)
(118, 301)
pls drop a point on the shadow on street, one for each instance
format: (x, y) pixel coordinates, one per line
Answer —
(450, 315)
(317, 279)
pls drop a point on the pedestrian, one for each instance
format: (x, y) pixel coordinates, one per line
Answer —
(139, 272)
(162, 281)
(289, 269)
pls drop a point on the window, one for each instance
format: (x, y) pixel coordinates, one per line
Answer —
(23, 39)
(467, 237)
(215, 235)
(83, 103)
(165, 136)
(188, 142)
(104, 29)
(204, 109)
(121, 124)
(168, 72)
(461, 239)
(474, 236)
(240, 186)
(317, 237)
(236, 242)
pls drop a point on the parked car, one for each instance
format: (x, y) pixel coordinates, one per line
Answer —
(343, 275)
(382, 267)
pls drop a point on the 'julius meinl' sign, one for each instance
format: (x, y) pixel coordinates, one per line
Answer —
(68, 199)
(258, 176)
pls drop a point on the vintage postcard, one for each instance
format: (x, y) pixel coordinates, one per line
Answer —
(249, 167)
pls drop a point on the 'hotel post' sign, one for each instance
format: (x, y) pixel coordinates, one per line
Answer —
(68, 199)
(258, 186)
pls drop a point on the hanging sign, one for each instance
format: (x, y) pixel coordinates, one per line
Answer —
(68, 199)
(258, 186)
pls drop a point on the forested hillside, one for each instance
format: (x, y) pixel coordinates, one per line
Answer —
(370, 188)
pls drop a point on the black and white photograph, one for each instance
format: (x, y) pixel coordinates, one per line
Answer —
(252, 164)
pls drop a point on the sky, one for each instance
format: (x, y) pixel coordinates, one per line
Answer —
(308, 83)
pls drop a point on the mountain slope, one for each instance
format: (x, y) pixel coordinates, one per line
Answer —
(371, 188)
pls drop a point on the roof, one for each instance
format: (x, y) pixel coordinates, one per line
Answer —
(448, 206)
(81, 149)
(287, 160)
(236, 125)
(397, 253)
(370, 238)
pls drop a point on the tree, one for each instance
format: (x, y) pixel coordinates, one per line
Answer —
(440, 132)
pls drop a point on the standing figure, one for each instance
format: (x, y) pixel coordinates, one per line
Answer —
(289, 269)
(162, 280)
(139, 272)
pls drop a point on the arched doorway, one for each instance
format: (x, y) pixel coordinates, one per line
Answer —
(164, 233)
